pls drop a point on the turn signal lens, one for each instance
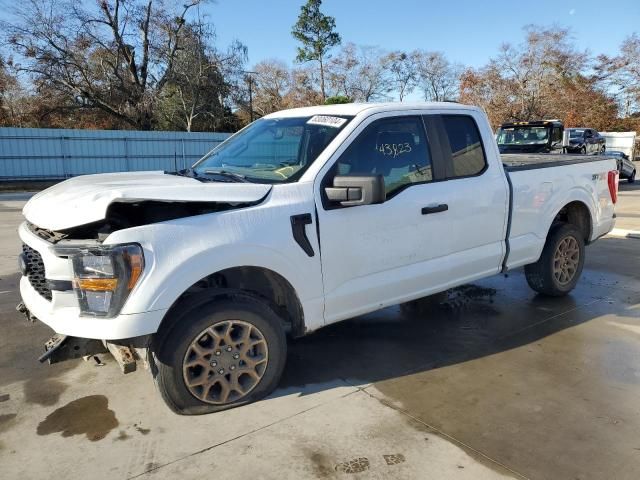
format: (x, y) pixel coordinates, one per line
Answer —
(136, 263)
(97, 284)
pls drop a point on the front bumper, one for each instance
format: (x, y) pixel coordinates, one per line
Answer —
(63, 314)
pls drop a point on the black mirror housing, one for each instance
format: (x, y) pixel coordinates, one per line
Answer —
(353, 190)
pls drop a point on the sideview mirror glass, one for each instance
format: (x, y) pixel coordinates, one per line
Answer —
(352, 190)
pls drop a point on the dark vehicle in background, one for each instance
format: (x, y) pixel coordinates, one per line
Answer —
(542, 136)
(626, 167)
(585, 141)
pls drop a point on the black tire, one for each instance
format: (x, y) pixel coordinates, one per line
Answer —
(603, 149)
(632, 177)
(583, 151)
(541, 275)
(169, 349)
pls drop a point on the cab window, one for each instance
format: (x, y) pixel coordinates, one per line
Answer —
(395, 148)
(467, 154)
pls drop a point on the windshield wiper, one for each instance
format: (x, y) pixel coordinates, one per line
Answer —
(186, 172)
(225, 173)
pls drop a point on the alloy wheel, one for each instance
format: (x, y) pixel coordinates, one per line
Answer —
(225, 362)
(566, 260)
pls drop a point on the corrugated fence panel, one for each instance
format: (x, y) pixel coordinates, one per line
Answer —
(47, 153)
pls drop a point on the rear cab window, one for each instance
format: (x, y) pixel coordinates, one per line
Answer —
(462, 146)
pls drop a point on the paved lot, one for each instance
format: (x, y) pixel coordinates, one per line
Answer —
(496, 383)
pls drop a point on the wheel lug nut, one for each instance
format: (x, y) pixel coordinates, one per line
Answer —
(236, 356)
(221, 371)
(214, 363)
(228, 349)
(218, 352)
(232, 367)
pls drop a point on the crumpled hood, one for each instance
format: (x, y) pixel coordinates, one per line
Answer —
(85, 199)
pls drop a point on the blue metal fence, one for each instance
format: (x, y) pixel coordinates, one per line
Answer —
(48, 153)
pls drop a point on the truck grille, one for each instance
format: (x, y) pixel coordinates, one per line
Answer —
(35, 271)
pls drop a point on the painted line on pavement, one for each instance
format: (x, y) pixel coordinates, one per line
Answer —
(624, 233)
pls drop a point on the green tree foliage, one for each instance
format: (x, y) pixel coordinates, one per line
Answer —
(316, 32)
(337, 99)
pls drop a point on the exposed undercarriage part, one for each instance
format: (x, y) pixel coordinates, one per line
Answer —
(121, 215)
(127, 353)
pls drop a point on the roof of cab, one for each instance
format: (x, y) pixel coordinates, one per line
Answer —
(352, 109)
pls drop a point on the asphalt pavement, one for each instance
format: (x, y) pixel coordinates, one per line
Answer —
(495, 382)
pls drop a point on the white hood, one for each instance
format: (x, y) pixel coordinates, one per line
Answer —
(85, 199)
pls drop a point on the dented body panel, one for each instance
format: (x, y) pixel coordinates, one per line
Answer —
(84, 200)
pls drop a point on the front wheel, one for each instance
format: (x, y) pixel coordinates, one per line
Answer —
(558, 270)
(583, 151)
(219, 355)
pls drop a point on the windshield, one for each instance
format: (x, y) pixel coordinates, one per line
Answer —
(524, 135)
(272, 150)
(576, 133)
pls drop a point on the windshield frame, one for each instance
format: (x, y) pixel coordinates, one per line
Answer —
(248, 128)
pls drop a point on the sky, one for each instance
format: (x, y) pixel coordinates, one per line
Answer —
(468, 32)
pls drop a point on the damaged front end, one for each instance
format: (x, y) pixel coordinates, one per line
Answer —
(76, 281)
(60, 348)
(122, 215)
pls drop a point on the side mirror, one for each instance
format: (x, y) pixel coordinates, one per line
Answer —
(352, 190)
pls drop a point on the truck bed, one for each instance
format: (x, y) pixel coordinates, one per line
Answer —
(537, 193)
(530, 161)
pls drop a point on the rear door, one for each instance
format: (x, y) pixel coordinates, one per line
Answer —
(476, 193)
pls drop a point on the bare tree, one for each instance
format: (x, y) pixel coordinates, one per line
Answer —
(620, 74)
(15, 103)
(117, 57)
(303, 92)
(438, 78)
(537, 68)
(360, 73)
(540, 78)
(403, 68)
(273, 81)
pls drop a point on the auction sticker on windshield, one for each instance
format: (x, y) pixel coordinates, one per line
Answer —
(327, 121)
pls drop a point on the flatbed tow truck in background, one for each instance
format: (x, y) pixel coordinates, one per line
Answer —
(540, 136)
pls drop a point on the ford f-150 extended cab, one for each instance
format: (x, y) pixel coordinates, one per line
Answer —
(304, 218)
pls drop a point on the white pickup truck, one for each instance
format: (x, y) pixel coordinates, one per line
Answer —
(302, 219)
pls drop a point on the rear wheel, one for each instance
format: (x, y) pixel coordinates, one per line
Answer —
(558, 270)
(632, 177)
(220, 355)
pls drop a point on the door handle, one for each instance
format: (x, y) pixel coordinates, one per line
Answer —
(443, 207)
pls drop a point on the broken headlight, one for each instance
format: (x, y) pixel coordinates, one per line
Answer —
(103, 276)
